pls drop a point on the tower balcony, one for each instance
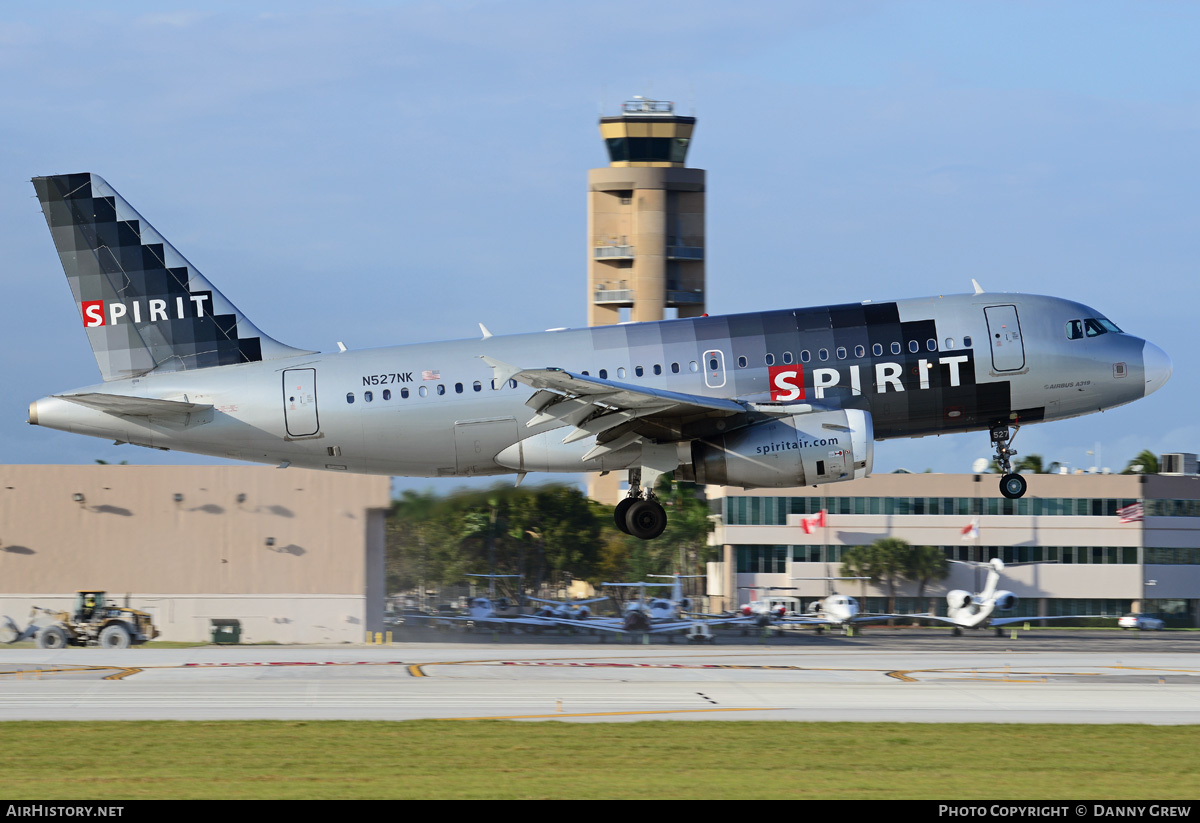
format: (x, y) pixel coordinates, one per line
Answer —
(628, 252)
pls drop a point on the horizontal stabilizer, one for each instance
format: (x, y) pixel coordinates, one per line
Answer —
(125, 406)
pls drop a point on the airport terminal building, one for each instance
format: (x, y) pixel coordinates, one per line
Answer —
(294, 556)
(1075, 554)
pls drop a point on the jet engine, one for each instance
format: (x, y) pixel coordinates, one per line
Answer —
(799, 450)
(1005, 600)
(958, 599)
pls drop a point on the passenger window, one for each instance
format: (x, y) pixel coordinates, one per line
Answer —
(860, 351)
(877, 349)
(914, 346)
(674, 368)
(770, 359)
(805, 356)
(967, 341)
(423, 391)
(404, 394)
(931, 344)
(693, 366)
(387, 394)
(477, 385)
(657, 369)
(512, 384)
(604, 374)
(441, 389)
(823, 354)
(458, 388)
(368, 397)
(349, 397)
(949, 342)
(787, 357)
(895, 348)
(741, 362)
(841, 352)
(621, 372)
(712, 363)
(638, 370)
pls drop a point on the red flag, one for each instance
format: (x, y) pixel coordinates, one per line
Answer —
(971, 530)
(817, 521)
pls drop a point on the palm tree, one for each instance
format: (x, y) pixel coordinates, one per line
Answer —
(883, 562)
(926, 563)
(1145, 463)
(1031, 463)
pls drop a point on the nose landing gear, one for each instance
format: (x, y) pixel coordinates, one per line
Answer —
(1012, 485)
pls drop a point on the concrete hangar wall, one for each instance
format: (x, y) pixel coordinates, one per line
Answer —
(297, 556)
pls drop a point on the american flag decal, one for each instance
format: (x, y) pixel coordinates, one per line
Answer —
(1131, 513)
(431, 375)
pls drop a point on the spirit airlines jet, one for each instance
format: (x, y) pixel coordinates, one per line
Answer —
(780, 398)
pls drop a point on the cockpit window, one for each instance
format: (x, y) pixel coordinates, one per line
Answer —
(1074, 329)
(1093, 327)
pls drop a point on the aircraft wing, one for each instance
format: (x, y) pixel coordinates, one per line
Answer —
(1005, 621)
(875, 618)
(619, 413)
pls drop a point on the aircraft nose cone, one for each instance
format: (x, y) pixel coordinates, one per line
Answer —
(1157, 366)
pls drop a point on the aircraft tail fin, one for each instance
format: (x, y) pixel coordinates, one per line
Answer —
(143, 305)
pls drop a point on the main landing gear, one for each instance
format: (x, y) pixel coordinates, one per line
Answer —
(1012, 485)
(640, 514)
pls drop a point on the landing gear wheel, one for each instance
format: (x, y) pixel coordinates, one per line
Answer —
(1013, 486)
(957, 632)
(646, 519)
(51, 637)
(114, 637)
(621, 512)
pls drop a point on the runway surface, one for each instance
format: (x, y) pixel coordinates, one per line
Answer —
(1101, 677)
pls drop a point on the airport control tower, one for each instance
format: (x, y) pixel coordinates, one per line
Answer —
(645, 227)
(645, 218)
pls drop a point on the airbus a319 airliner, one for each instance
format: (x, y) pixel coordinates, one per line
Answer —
(779, 398)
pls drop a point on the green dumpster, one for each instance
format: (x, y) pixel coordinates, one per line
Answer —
(226, 630)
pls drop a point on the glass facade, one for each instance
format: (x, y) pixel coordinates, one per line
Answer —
(772, 559)
(773, 511)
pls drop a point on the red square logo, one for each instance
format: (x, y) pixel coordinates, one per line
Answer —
(93, 313)
(787, 383)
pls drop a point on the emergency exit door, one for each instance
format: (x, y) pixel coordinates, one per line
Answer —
(300, 402)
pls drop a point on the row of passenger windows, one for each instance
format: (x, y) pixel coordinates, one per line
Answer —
(841, 352)
(423, 391)
(440, 388)
(773, 511)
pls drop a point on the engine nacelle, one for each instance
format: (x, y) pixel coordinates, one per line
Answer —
(800, 450)
(1005, 600)
(958, 599)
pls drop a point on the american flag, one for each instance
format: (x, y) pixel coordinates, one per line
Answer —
(1131, 513)
(431, 375)
(971, 530)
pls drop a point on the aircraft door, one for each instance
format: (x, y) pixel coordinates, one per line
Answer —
(300, 402)
(1004, 333)
(714, 368)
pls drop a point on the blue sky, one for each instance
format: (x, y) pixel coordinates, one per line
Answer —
(333, 168)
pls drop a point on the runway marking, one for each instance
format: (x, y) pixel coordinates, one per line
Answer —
(611, 714)
(121, 672)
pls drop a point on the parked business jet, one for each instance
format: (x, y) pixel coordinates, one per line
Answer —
(780, 398)
(965, 610)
